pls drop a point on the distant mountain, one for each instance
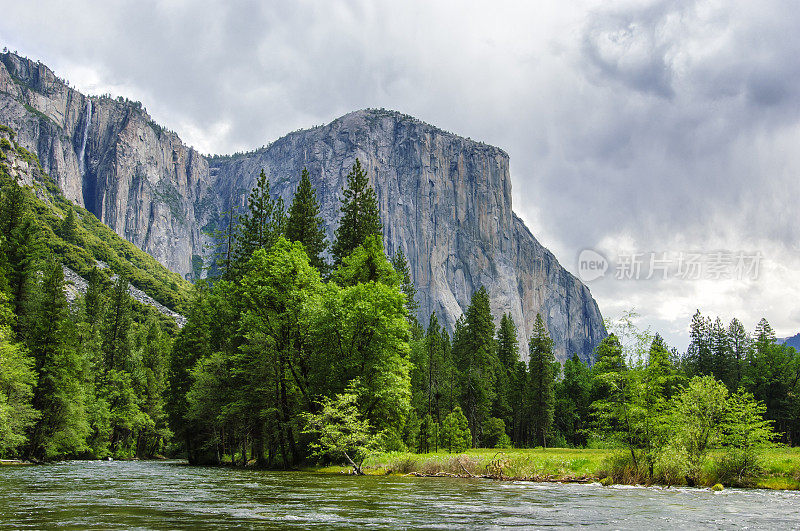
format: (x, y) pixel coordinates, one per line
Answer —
(793, 341)
(444, 199)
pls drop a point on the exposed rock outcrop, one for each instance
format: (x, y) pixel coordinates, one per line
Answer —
(445, 200)
(110, 157)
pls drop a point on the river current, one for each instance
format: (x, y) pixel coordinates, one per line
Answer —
(172, 495)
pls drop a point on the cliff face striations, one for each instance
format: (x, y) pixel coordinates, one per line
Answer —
(445, 200)
(110, 157)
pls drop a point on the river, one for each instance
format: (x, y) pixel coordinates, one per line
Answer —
(171, 495)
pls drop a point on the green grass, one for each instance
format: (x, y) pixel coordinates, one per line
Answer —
(551, 464)
(781, 469)
(781, 465)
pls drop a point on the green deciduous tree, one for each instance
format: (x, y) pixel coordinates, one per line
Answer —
(361, 333)
(697, 416)
(745, 434)
(341, 431)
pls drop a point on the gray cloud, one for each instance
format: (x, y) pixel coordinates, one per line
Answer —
(660, 125)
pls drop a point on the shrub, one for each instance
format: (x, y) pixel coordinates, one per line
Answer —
(671, 466)
(494, 434)
(620, 468)
(455, 434)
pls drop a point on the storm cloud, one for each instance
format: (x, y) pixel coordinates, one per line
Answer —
(632, 126)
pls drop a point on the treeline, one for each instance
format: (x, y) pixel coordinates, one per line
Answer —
(279, 329)
(281, 338)
(289, 354)
(82, 379)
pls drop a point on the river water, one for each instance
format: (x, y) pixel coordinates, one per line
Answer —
(171, 495)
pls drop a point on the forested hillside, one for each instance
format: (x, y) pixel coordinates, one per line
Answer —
(83, 378)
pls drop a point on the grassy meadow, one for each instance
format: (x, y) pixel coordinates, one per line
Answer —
(781, 466)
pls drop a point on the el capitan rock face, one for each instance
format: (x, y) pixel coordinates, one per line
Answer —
(444, 199)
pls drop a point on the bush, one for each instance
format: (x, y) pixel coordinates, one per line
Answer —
(671, 466)
(455, 434)
(621, 468)
(494, 434)
(737, 469)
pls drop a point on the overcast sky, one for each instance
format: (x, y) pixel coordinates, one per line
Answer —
(632, 126)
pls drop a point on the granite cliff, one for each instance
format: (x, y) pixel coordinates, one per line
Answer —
(445, 200)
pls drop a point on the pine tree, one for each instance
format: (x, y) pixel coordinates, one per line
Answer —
(739, 343)
(116, 331)
(542, 379)
(436, 365)
(507, 342)
(573, 398)
(699, 352)
(475, 358)
(764, 337)
(305, 225)
(62, 428)
(69, 227)
(261, 227)
(17, 382)
(224, 256)
(360, 215)
(400, 265)
(721, 355)
(508, 356)
(93, 299)
(455, 433)
(649, 397)
(154, 358)
(21, 248)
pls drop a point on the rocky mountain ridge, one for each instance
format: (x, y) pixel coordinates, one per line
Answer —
(445, 200)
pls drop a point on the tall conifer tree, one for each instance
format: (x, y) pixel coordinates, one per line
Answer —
(261, 226)
(360, 215)
(305, 225)
(400, 265)
(542, 380)
(475, 357)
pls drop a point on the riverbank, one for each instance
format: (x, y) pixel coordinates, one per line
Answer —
(564, 465)
(14, 462)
